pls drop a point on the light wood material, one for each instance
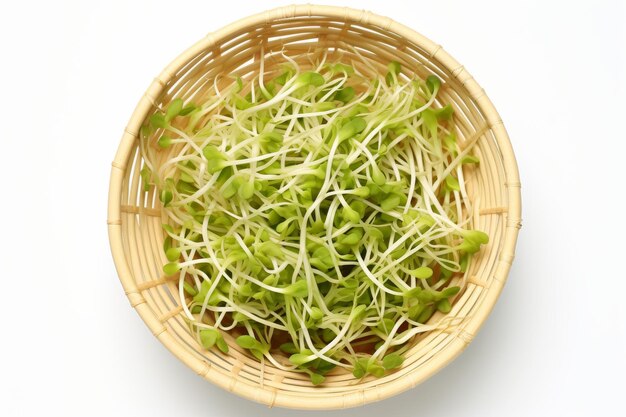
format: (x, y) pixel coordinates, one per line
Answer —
(135, 225)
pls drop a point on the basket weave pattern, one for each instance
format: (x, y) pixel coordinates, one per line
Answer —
(134, 216)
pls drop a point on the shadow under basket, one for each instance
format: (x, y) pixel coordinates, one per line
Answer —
(134, 216)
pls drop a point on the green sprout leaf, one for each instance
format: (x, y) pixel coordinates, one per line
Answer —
(345, 94)
(445, 113)
(390, 203)
(187, 110)
(376, 370)
(301, 358)
(310, 78)
(248, 342)
(452, 183)
(422, 272)
(289, 348)
(189, 289)
(450, 292)
(171, 268)
(246, 190)
(350, 129)
(166, 197)
(146, 176)
(172, 254)
(208, 338)
(174, 109)
(299, 289)
(392, 361)
(221, 344)
(158, 121)
(317, 379)
(433, 83)
(444, 305)
(360, 368)
(469, 159)
(215, 159)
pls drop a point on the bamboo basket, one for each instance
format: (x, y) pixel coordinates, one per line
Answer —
(134, 216)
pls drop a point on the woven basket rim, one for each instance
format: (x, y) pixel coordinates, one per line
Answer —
(271, 396)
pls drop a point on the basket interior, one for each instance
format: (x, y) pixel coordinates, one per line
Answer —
(240, 52)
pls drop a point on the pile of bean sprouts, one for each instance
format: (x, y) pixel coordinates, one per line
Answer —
(319, 215)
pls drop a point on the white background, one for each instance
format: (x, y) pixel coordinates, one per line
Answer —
(71, 74)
